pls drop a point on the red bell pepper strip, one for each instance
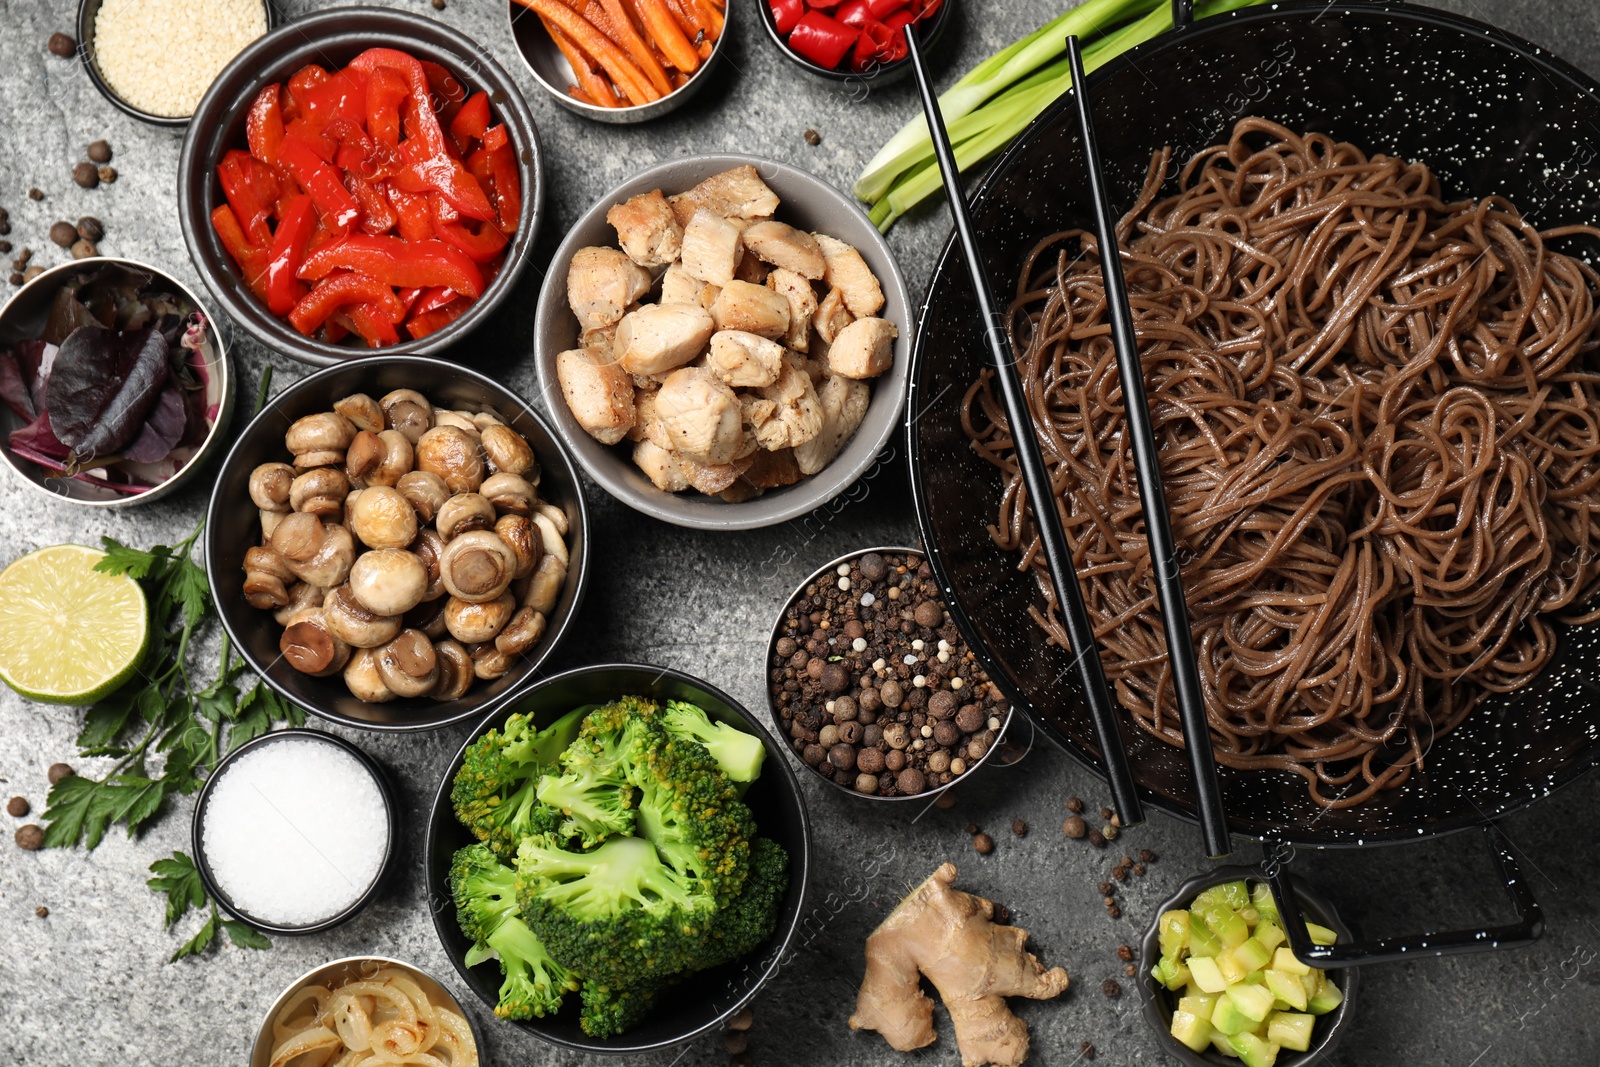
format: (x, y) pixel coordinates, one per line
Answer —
(446, 88)
(496, 170)
(288, 251)
(874, 47)
(252, 261)
(426, 121)
(853, 13)
(822, 40)
(470, 122)
(336, 329)
(443, 174)
(377, 214)
(432, 299)
(481, 246)
(343, 95)
(373, 324)
(413, 217)
(385, 89)
(785, 13)
(896, 24)
(397, 263)
(428, 322)
(301, 82)
(340, 291)
(496, 137)
(823, 4)
(882, 9)
(251, 187)
(263, 127)
(337, 204)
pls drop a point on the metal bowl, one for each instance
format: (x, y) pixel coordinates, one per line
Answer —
(354, 968)
(690, 1009)
(794, 747)
(807, 202)
(553, 73)
(23, 316)
(1158, 1002)
(88, 11)
(332, 39)
(879, 74)
(233, 525)
(202, 803)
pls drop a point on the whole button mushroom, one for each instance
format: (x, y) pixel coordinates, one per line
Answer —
(378, 458)
(507, 450)
(382, 518)
(301, 595)
(319, 440)
(320, 491)
(509, 493)
(266, 578)
(351, 622)
(270, 484)
(429, 548)
(477, 566)
(522, 537)
(464, 513)
(408, 664)
(472, 623)
(408, 411)
(489, 663)
(544, 588)
(361, 677)
(362, 411)
(428, 617)
(521, 633)
(425, 492)
(455, 671)
(329, 562)
(388, 581)
(310, 647)
(452, 454)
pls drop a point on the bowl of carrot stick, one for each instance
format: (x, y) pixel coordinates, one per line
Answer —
(619, 61)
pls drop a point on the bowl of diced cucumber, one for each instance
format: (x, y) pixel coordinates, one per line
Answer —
(1221, 986)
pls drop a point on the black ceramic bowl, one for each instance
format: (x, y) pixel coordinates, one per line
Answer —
(332, 39)
(202, 802)
(1489, 114)
(1158, 1002)
(879, 73)
(703, 1003)
(233, 525)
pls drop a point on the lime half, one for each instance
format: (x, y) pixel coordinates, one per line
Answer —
(69, 634)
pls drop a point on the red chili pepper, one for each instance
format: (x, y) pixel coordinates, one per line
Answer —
(385, 90)
(264, 125)
(251, 187)
(377, 214)
(413, 218)
(481, 246)
(396, 262)
(373, 325)
(821, 39)
(252, 261)
(873, 47)
(853, 13)
(470, 122)
(428, 322)
(339, 291)
(288, 250)
(896, 24)
(785, 13)
(339, 208)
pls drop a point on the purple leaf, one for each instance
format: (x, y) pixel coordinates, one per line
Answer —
(13, 390)
(103, 385)
(162, 430)
(38, 437)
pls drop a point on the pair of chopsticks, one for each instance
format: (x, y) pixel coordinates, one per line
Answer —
(1152, 498)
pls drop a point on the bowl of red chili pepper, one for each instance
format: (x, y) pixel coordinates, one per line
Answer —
(360, 179)
(852, 40)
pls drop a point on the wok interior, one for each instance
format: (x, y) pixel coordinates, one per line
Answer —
(1489, 115)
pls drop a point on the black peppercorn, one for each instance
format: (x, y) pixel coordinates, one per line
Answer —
(1111, 987)
(62, 45)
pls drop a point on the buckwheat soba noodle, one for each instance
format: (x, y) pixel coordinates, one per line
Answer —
(1379, 426)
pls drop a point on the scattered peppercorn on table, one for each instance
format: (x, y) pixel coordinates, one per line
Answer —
(86, 970)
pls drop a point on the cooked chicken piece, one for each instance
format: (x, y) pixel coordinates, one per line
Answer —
(647, 229)
(849, 273)
(598, 392)
(863, 349)
(601, 283)
(659, 337)
(708, 295)
(769, 470)
(744, 360)
(752, 308)
(751, 269)
(738, 193)
(784, 246)
(796, 289)
(740, 491)
(712, 478)
(844, 405)
(700, 415)
(711, 248)
(646, 424)
(677, 287)
(755, 412)
(661, 466)
(601, 339)
(831, 316)
(816, 369)
(798, 417)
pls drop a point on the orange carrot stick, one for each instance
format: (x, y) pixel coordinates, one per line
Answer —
(629, 38)
(592, 87)
(688, 19)
(666, 33)
(713, 15)
(629, 78)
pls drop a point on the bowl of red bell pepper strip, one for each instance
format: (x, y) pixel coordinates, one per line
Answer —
(852, 40)
(360, 179)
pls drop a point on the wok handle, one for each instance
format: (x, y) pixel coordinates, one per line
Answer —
(1526, 930)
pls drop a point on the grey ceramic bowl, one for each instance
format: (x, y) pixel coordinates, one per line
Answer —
(807, 202)
(24, 316)
(354, 968)
(553, 73)
(332, 39)
(1158, 1002)
(233, 525)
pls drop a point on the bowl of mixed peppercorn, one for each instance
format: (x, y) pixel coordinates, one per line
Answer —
(871, 684)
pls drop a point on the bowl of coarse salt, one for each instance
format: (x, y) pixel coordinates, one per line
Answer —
(294, 831)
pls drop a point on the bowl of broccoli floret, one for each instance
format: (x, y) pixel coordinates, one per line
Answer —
(617, 858)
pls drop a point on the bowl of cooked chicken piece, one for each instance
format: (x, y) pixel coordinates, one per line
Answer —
(723, 342)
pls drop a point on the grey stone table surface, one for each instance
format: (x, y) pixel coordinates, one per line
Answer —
(90, 984)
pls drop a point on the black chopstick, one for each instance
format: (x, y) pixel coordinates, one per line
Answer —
(1069, 594)
(1152, 498)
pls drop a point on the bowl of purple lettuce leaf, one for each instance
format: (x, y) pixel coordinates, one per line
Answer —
(114, 382)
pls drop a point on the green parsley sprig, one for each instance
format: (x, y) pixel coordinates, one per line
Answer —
(179, 879)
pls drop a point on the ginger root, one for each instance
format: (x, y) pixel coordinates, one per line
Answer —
(946, 936)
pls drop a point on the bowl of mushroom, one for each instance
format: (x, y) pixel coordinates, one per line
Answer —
(724, 342)
(396, 543)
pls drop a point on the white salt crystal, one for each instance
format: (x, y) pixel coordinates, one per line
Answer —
(295, 831)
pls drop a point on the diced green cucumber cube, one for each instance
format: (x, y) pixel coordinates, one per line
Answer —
(1174, 933)
(1193, 1030)
(1269, 933)
(1287, 988)
(1253, 1001)
(1219, 1041)
(1252, 955)
(1325, 999)
(1253, 1051)
(1232, 970)
(1228, 1018)
(1262, 900)
(1321, 935)
(1201, 1004)
(1284, 960)
(1170, 973)
(1234, 894)
(1291, 1030)
(1225, 923)
(1206, 974)
(1202, 942)
(1312, 981)
(1250, 915)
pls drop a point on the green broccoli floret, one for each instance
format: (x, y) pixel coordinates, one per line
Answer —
(610, 1009)
(738, 754)
(689, 810)
(494, 793)
(484, 891)
(753, 915)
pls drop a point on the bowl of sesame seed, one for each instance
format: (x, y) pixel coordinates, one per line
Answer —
(154, 59)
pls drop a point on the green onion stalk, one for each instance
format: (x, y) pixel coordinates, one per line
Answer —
(997, 99)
